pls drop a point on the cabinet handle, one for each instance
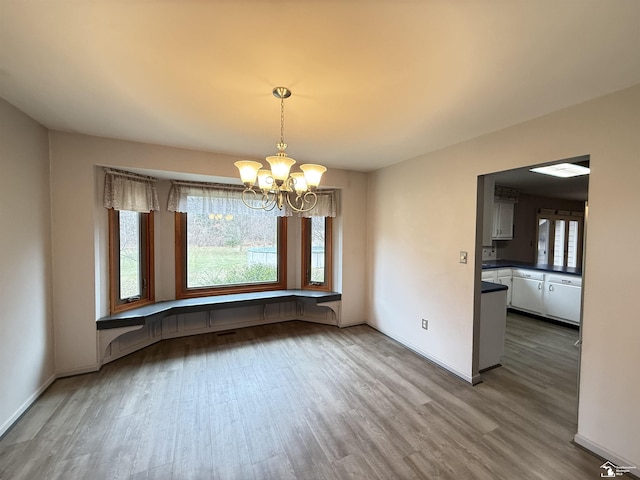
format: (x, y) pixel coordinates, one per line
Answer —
(551, 288)
(539, 286)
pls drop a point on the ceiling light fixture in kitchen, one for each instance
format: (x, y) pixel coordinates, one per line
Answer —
(563, 170)
(277, 186)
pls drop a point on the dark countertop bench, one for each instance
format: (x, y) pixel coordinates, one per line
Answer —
(150, 313)
(491, 264)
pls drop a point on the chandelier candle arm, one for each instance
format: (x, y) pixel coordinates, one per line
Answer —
(298, 203)
(266, 201)
(278, 186)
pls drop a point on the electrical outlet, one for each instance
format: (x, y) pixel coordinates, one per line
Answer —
(425, 324)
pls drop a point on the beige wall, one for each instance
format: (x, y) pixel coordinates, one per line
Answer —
(80, 233)
(26, 330)
(415, 235)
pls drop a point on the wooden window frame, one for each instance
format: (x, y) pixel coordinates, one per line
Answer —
(147, 271)
(306, 249)
(181, 265)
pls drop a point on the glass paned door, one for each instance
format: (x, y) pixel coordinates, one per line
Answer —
(558, 243)
(543, 240)
(559, 239)
(573, 243)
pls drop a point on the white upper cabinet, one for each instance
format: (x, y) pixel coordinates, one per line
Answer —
(497, 214)
(502, 221)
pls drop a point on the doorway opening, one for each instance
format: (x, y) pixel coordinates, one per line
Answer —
(530, 237)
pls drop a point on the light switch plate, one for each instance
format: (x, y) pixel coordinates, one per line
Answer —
(463, 257)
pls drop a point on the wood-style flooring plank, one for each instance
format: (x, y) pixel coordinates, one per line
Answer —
(308, 402)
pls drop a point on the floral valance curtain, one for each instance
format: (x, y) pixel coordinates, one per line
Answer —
(130, 191)
(211, 198)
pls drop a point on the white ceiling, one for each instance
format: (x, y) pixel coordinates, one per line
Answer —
(532, 183)
(374, 81)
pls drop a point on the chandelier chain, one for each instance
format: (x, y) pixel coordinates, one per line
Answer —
(282, 120)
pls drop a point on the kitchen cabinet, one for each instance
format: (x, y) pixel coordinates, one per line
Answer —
(563, 297)
(505, 278)
(490, 276)
(502, 221)
(527, 291)
(551, 295)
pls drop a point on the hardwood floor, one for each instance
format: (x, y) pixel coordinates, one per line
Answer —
(306, 401)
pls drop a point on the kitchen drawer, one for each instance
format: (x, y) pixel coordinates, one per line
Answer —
(490, 276)
(504, 272)
(532, 274)
(565, 279)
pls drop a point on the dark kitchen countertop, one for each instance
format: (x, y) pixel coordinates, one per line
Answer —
(491, 264)
(488, 287)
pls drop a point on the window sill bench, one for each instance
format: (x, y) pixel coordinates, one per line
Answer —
(150, 321)
(150, 313)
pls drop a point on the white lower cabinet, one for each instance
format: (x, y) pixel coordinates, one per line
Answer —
(505, 278)
(563, 296)
(551, 295)
(527, 290)
(490, 276)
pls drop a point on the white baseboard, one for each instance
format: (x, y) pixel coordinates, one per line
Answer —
(25, 406)
(352, 324)
(606, 454)
(77, 371)
(431, 358)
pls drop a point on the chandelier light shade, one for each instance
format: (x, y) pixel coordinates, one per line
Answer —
(313, 173)
(278, 185)
(248, 171)
(280, 166)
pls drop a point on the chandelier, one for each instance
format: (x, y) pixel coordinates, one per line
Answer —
(277, 186)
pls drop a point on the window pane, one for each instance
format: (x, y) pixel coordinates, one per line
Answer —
(558, 245)
(231, 249)
(317, 249)
(130, 260)
(572, 244)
